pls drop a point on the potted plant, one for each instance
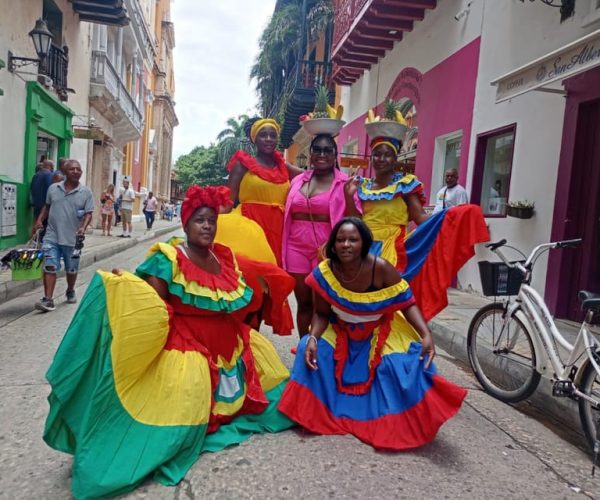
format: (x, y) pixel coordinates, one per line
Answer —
(521, 209)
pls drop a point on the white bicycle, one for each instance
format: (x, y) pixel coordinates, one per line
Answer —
(510, 344)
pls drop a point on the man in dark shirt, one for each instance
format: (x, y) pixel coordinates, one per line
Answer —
(39, 188)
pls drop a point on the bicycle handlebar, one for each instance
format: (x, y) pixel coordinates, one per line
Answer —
(524, 268)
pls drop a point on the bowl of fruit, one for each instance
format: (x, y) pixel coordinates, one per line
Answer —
(392, 124)
(325, 119)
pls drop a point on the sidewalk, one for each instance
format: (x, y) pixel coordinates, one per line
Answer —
(450, 329)
(97, 247)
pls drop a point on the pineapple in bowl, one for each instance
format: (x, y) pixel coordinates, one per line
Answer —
(325, 119)
(392, 124)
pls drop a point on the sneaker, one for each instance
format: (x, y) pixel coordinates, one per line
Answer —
(122, 236)
(71, 298)
(45, 305)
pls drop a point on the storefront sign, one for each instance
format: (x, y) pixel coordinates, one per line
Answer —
(580, 55)
(94, 133)
(355, 163)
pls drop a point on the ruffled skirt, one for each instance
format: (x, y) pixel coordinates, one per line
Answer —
(382, 395)
(128, 403)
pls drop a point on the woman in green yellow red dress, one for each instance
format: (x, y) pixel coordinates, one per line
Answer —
(366, 368)
(430, 256)
(158, 367)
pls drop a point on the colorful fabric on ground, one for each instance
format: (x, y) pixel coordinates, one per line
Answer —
(370, 382)
(141, 386)
(430, 256)
(258, 264)
(262, 196)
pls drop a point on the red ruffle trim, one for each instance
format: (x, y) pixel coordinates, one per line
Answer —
(278, 174)
(340, 356)
(226, 280)
(412, 428)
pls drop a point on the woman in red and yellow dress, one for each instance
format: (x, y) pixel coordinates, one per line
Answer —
(260, 184)
(157, 368)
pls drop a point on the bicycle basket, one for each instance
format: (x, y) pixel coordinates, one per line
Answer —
(499, 279)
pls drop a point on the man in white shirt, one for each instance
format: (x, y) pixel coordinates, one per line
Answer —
(452, 194)
(127, 199)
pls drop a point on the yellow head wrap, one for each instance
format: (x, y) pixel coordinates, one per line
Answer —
(263, 122)
(388, 141)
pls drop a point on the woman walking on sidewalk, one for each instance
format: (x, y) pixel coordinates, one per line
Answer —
(107, 199)
(150, 207)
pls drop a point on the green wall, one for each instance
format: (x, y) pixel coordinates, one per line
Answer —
(44, 113)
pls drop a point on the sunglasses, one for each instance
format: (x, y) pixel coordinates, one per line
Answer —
(316, 150)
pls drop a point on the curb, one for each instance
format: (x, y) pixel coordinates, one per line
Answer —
(12, 289)
(565, 410)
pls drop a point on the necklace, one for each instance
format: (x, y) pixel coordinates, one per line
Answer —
(344, 279)
(186, 247)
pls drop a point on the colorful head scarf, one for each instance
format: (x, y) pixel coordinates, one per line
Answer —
(389, 141)
(263, 122)
(214, 197)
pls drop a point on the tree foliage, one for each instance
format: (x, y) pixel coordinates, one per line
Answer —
(201, 166)
(233, 138)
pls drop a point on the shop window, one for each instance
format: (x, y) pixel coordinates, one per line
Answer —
(493, 167)
(446, 155)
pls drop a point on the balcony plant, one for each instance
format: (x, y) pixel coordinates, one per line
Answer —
(521, 209)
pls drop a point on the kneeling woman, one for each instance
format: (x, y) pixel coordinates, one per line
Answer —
(158, 368)
(366, 369)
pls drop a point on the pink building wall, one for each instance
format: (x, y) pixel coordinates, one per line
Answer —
(444, 98)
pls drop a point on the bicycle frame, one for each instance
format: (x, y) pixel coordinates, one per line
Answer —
(530, 305)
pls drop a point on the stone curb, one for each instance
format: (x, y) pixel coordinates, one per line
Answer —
(453, 340)
(12, 289)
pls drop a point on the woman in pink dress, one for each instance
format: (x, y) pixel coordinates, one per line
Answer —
(316, 201)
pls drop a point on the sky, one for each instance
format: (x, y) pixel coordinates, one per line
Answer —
(216, 43)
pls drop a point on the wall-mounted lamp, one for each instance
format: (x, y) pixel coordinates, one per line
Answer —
(567, 7)
(42, 39)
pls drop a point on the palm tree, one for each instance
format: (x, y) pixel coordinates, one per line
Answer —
(232, 138)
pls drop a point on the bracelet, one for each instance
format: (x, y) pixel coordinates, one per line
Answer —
(311, 336)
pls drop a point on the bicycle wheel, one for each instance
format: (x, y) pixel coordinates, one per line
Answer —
(502, 355)
(588, 412)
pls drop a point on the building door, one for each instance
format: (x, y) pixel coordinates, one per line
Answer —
(587, 182)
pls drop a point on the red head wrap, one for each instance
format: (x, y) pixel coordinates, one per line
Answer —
(214, 197)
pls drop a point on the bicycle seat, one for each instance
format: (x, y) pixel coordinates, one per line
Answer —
(589, 300)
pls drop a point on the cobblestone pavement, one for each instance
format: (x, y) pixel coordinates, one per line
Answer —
(490, 450)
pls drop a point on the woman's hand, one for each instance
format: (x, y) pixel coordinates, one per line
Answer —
(117, 272)
(310, 354)
(351, 187)
(427, 349)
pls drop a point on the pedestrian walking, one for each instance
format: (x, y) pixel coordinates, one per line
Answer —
(38, 190)
(150, 207)
(69, 206)
(107, 199)
(127, 198)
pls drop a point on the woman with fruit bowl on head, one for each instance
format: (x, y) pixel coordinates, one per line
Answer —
(430, 256)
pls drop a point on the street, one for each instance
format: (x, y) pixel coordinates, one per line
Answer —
(489, 450)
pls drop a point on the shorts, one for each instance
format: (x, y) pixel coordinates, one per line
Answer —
(300, 260)
(52, 258)
(126, 215)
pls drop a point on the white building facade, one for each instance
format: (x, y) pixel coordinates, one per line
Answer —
(526, 137)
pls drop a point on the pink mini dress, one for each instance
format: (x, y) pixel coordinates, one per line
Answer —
(306, 237)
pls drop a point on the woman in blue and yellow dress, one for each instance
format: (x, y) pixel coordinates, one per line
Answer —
(430, 256)
(157, 368)
(365, 368)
